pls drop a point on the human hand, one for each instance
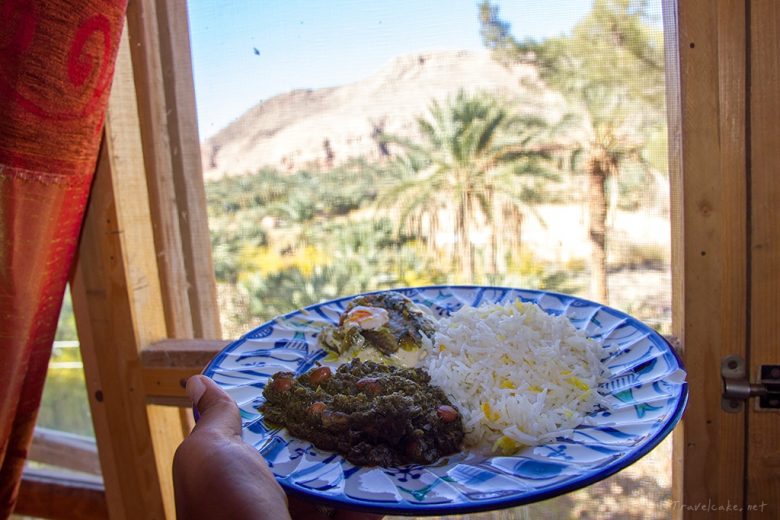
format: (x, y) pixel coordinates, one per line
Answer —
(217, 475)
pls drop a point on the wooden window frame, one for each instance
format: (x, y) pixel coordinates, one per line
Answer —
(146, 238)
(709, 233)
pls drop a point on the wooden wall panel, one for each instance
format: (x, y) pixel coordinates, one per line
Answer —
(709, 226)
(763, 476)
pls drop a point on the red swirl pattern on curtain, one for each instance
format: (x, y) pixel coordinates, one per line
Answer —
(56, 64)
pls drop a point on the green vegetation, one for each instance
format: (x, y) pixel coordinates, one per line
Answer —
(449, 205)
(64, 404)
(471, 169)
(285, 241)
(310, 240)
(611, 70)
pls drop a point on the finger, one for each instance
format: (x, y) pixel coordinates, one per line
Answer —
(218, 412)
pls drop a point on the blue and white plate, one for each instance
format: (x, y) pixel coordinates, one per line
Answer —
(647, 394)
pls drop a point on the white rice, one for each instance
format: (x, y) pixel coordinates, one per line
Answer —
(518, 376)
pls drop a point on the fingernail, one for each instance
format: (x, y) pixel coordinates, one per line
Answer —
(195, 389)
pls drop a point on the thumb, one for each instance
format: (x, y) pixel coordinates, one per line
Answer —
(217, 410)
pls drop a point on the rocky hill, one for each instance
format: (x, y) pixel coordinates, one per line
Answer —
(326, 127)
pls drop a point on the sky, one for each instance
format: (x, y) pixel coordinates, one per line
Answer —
(246, 51)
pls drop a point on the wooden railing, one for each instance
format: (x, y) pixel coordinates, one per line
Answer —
(57, 494)
(65, 450)
(70, 485)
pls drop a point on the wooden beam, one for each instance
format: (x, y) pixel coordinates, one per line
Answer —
(46, 494)
(168, 364)
(674, 130)
(165, 386)
(64, 450)
(119, 310)
(706, 67)
(182, 120)
(763, 475)
(151, 133)
(181, 353)
(143, 35)
(166, 102)
(176, 193)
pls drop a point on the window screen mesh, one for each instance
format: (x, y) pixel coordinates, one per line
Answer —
(350, 146)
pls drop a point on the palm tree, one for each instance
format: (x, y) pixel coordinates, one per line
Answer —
(611, 69)
(468, 168)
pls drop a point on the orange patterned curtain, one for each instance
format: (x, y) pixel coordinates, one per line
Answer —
(56, 64)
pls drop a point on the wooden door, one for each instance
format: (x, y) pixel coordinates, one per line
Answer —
(724, 107)
(763, 428)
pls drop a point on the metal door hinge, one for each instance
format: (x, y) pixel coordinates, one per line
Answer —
(737, 388)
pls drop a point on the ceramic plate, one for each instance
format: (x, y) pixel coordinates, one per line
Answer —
(646, 395)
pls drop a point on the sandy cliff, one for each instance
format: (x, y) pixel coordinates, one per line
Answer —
(326, 127)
